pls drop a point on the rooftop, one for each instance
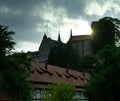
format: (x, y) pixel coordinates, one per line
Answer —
(78, 38)
(43, 74)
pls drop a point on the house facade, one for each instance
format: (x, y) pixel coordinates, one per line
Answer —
(44, 74)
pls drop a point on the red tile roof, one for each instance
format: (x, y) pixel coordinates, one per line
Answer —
(41, 76)
(79, 38)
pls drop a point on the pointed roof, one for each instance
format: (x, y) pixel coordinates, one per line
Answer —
(45, 36)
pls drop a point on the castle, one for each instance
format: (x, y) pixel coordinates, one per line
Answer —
(81, 43)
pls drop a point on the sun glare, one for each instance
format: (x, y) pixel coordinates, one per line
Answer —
(79, 27)
(82, 28)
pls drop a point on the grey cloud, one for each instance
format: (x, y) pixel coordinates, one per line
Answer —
(74, 8)
(21, 19)
(22, 24)
(25, 5)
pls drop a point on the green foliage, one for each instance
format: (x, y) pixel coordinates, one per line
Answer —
(1, 79)
(90, 63)
(14, 68)
(60, 92)
(6, 40)
(56, 55)
(105, 31)
(17, 86)
(72, 59)
(20, 62)
(105, 84)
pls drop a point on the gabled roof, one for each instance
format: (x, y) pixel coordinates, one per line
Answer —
(41, 76)
(79, 38)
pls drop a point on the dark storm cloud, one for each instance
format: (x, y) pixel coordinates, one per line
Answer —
(18, 16)
(27, 18)
(77, 8)
(74, 8)
(25, 5)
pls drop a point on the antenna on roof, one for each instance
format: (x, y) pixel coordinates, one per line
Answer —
(46, 65)
(67, 68)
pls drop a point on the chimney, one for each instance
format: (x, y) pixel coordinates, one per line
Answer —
(83, 72)
(67, 69)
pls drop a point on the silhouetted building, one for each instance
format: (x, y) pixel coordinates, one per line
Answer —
(45, 46)
(81, 43)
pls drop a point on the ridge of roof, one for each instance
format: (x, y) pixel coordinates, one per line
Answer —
(81, 38)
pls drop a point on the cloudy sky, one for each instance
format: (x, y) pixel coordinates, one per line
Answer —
(30, 19)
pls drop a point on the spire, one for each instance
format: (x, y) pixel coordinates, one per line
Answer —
(59, 39)
(71, 33)
(45, 36)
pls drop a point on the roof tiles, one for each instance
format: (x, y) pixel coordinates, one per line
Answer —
(41, 76)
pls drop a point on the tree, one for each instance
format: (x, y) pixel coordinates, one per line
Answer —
(6, 40)
(90, 63)
(56, 55)
(14, 68)
(64, 56)
(105, 31)
(60, 92)
(105, 84)
(72, 58)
